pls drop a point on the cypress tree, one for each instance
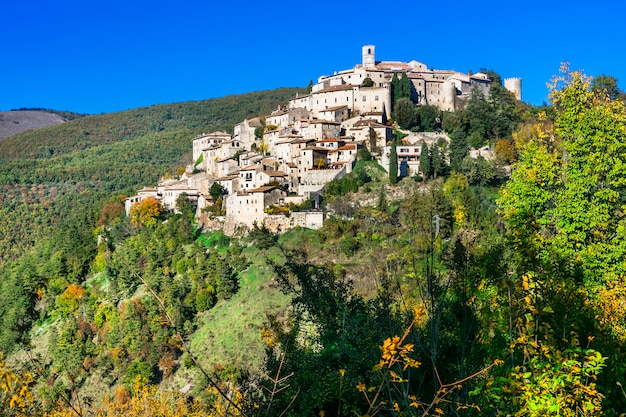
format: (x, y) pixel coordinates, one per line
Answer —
(425, 161)
(393, 163)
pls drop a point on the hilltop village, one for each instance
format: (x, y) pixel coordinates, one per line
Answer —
(270, 164)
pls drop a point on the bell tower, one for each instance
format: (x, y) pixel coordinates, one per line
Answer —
(369, 56)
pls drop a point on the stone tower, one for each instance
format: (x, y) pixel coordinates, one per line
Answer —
(369, 56)
(514, 85)
(449, 96)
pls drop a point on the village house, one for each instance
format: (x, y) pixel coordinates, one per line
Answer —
(247, 207)
(206, 141)
(245, 131)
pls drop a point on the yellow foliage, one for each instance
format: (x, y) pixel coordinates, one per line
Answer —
(15, 396)
(146, 212)
(149, 401)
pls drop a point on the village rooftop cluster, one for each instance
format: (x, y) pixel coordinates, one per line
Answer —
(288, 157)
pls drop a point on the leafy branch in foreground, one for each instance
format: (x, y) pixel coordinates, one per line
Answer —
(394, 368)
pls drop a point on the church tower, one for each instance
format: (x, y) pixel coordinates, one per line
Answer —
(369, 56)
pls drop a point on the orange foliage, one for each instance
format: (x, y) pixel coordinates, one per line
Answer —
(146, 212)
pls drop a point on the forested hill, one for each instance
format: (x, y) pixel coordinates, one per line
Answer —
(60, 172)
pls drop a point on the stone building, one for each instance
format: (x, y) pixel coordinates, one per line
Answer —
(445, 89)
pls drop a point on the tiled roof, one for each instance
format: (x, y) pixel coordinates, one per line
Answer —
(316, 148)
(263, 189)
(342, 87)
(325, 122)
(250, 168)
(275, 173)
(334, 108)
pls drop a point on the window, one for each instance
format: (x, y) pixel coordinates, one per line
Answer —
(375, 98)
(364, 98)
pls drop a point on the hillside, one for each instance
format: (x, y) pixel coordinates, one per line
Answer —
(455, 292)
(16, 122)
(47, 173)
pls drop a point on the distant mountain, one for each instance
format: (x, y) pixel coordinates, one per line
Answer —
(17, 121)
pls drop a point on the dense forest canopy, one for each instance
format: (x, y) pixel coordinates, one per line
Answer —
(462, 293)
(79, 164)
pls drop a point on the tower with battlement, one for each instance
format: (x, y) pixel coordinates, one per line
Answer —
(514, 85)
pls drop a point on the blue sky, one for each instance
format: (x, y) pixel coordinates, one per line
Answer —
(104, 56)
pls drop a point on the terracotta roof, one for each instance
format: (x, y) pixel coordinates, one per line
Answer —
(347, 147)
(249, 168)
(275, 173)
(462, 77)
(368, 122)
(263, 189)
(315, 148)
(393, 65)
(329, 140)
(334, 108)
(341, 87)
(326, 122)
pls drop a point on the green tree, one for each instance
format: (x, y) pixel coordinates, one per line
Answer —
(216, 190)
(606, 84)
(429, 118)
(478, 171)
(405, 87)
(438, 154)
(563, 207)
(372, 141)
(404, 113)
(426, 161)
(183, 205)
(401, 87)
(367, 82)
(393, 163)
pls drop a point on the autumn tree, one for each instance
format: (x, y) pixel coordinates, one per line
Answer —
(146, 212)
